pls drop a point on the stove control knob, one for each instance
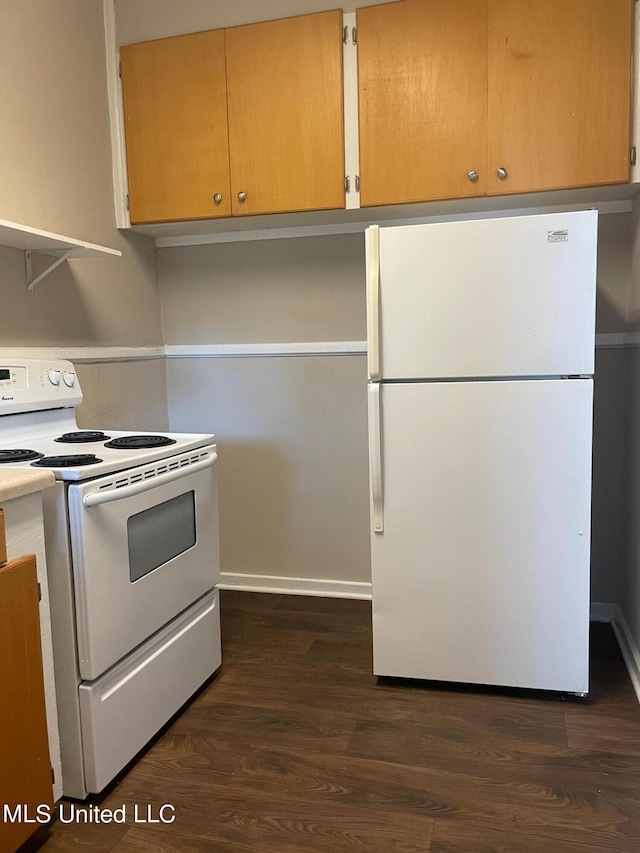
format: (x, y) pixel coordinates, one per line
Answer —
(69, 379)
(54, 377)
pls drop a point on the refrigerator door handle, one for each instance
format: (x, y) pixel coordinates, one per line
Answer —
(375, 458)
(372, 236)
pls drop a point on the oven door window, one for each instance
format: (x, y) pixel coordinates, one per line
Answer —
(161, 533)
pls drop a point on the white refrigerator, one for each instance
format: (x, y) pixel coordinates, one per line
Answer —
(481, 356)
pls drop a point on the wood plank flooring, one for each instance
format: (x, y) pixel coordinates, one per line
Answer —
(296, 748)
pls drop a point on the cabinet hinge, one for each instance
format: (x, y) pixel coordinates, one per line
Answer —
(347, 184)
(39, 593)
(634, 153)
(345, 35)
(128, 208)
(357, 183)
(53, 776)
(120, 70)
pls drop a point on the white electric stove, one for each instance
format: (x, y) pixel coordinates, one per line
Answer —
(131, 532)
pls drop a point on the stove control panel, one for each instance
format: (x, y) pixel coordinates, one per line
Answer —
(13, 378)
(30, 385)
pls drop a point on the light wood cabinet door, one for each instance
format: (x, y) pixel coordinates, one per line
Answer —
(285, 102)
(175, 115)
(25, 769)
(559, 93)
(422, 92)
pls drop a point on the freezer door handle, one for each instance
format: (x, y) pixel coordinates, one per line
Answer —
(372, 236)
(375, 458)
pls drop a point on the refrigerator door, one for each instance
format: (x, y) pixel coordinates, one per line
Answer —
(493, 297)
(481, 573)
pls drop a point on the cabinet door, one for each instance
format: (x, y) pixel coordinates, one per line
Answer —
(25, 769)
(422, 90)
(285, 101)
(175, 112)
(559, 93)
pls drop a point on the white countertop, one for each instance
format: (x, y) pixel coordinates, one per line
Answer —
(14, 483)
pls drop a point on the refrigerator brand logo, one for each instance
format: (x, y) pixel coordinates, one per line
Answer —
(557, 236)
(7, 398)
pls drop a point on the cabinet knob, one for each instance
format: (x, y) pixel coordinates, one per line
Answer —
(242, 196)
(472, 175)
(217, 198)
(502, 173)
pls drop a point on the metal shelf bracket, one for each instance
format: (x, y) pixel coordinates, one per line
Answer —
(31, 282)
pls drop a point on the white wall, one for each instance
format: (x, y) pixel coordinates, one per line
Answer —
(140, 20)
(55, 173)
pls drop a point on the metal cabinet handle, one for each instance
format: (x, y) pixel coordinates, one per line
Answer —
(242, 196)
(502, 173)
(473, 175)
(217, 198)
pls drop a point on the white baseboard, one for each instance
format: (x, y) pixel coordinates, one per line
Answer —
(295, 586)
(601, 612)
(628, 647)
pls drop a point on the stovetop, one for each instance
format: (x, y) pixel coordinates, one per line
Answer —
(37, 421)
(94, 458)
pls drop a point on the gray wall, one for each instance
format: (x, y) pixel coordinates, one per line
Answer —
(55, 173)
(55, 168)
(314, 289)
(610, 409)
(292, 431)
(629, 598)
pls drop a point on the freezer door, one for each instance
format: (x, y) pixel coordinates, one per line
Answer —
(481, 573)
(493, 297)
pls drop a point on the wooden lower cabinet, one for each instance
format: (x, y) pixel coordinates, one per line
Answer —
(25, 768)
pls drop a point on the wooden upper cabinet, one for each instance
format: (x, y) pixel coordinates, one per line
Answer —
(559, 93)
(175, 114)
(25, 768)
(286, 126)
(422, 92)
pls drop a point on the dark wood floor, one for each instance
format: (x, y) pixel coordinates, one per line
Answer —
(295, 748)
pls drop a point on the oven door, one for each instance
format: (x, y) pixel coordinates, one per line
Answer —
(144, 547)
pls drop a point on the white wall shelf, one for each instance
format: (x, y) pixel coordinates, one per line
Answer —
(16, 236)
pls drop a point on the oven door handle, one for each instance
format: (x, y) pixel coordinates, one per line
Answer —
(97, 498)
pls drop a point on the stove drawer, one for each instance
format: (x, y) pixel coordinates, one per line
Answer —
(126, 706)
